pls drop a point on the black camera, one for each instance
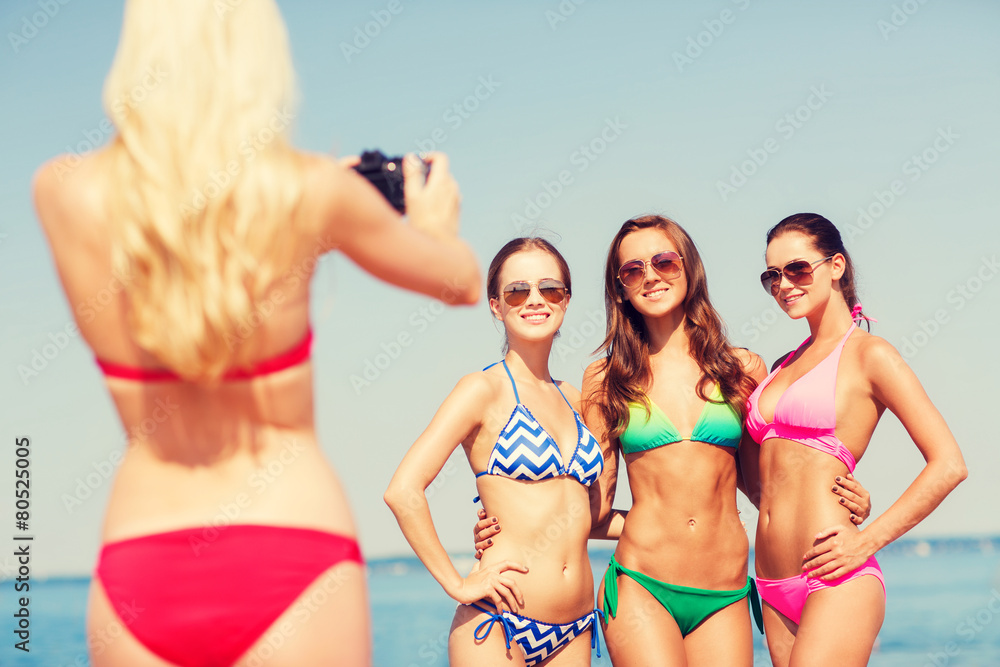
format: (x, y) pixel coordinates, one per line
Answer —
(386, 174)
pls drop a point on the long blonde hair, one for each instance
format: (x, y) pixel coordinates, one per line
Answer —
(204, 182)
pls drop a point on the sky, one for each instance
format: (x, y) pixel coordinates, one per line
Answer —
(562, 119)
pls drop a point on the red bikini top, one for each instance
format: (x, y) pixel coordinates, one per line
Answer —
(293, 357)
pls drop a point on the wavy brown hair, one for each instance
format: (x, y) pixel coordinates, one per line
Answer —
(627, 372)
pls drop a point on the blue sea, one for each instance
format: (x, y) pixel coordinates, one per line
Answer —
(943, 609)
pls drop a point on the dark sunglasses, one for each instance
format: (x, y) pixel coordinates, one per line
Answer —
(553, 291)
(798, 273)
(633, 272)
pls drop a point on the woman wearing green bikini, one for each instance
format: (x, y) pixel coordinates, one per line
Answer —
(670, 395)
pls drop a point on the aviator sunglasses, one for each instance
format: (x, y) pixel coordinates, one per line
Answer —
(553, 291)
(798, 273)
(633, 272)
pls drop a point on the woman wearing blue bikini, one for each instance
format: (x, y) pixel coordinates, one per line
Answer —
(534, 461)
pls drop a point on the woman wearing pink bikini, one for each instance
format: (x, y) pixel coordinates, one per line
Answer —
(227, 531)
(813, 417)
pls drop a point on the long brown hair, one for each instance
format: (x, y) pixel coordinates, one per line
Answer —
(826, 239)
(627, 372)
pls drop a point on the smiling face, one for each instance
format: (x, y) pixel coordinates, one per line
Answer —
(537, 318)
(812, 291)
(656, 295)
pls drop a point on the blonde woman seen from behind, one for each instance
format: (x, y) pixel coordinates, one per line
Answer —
(213, 224)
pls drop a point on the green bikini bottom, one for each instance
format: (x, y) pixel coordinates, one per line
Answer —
(688, 606)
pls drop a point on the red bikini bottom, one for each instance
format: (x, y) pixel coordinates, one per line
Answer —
(201, 597)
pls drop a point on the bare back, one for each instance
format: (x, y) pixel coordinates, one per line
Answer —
(198, 454)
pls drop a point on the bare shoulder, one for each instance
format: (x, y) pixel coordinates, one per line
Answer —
(321, 216)
(320, 169)
(595, 372)
(877, 355)
(50, 185)
(342, 202)
(45, 181)
(323, 178)
(571, 393)
(780, 360)
(753, 364)
(480, 387)
(64, 189)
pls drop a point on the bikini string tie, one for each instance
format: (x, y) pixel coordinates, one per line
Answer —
(497, 617)
(857, 316)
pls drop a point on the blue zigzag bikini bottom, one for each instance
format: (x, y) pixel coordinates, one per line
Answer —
(537, 640)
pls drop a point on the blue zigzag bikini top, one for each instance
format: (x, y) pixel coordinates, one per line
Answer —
(526, 451)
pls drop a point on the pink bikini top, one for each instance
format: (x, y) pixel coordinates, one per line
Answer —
(293, 357)
(805, 412)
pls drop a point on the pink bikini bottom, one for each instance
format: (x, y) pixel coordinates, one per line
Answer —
(789, 595)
